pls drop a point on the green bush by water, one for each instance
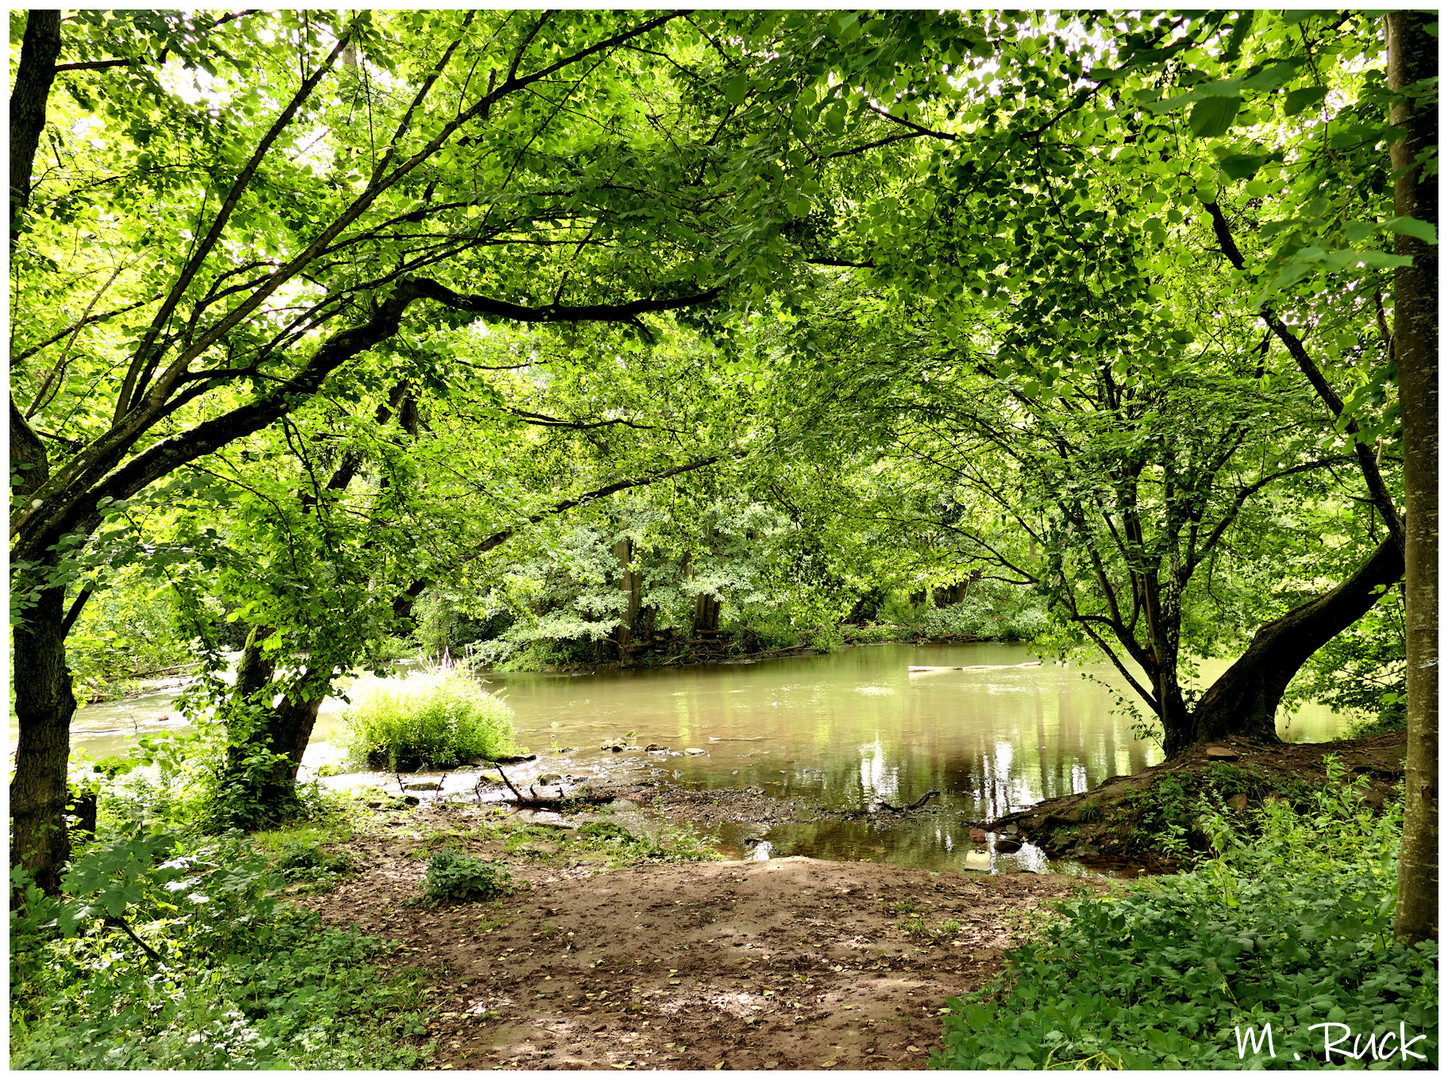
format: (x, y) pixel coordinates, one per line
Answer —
(991, 612)
(1292, 930)
(437, 719)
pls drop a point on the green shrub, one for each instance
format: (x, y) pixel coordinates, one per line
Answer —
(761, 628)
(614, 844)
(235, 979)
(677, 843)
(453, 879)
(1293, 929)
(438, 719)
(536, 655)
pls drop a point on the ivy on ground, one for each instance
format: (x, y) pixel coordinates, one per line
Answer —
(1293, 933)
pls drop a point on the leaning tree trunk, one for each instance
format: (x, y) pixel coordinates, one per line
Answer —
(1244, 700)
(262, 793)
(1412, 57)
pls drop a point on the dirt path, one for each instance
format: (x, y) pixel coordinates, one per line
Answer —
(783, 964)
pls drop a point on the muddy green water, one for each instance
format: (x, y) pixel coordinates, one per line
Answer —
(840, 731)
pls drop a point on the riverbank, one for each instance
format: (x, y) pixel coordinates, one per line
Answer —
(1152, 815)
(781, 964)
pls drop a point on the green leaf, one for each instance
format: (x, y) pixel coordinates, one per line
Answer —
(1241, 166)
(1213, 116)
(1303, 98)
(1273, 75)
(1408, 226)
(1224, 88)
(1355, 232)
(735, 89)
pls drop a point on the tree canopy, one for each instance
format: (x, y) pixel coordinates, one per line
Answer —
(604, 319)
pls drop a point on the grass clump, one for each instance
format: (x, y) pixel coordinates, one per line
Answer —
(433, 719)
(1292, 929)
(453, 878)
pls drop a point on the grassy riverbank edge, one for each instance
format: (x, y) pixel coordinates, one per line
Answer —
(1276, 951)
(1223, 932)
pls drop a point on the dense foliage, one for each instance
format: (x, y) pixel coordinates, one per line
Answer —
(164, 955)
(1291, 927)
(600, 331)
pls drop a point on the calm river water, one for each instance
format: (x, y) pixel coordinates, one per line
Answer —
(838, 730)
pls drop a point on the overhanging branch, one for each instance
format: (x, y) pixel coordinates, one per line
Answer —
(1382, 499)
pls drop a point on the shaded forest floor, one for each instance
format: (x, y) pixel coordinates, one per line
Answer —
(1135, 816)
(787, 963)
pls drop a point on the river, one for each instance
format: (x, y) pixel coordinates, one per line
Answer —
(839, 730)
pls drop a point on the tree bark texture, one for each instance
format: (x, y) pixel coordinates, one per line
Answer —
(44, 699)
(44, 704)
(631, 581)
(706, 613)
(1413, 56)
(36, 71)
(1244, 700)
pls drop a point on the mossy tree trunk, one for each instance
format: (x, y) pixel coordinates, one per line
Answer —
(268, 733)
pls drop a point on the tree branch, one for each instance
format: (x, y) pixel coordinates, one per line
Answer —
(218, 224)
(628, 311)
(503, 536)
(1377, 487)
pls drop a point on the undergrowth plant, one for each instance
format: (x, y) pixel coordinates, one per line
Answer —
(160, 956)
(453, 878)
(615, 845)
(429, 719)
(1292, 928)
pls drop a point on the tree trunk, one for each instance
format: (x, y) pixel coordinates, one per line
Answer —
(644, 622)
(1244, 700)
(632, 583)
(44, 698)
(1413, 56)
(34, 74)
(44, 705)
(706, 613)
(258, 795)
